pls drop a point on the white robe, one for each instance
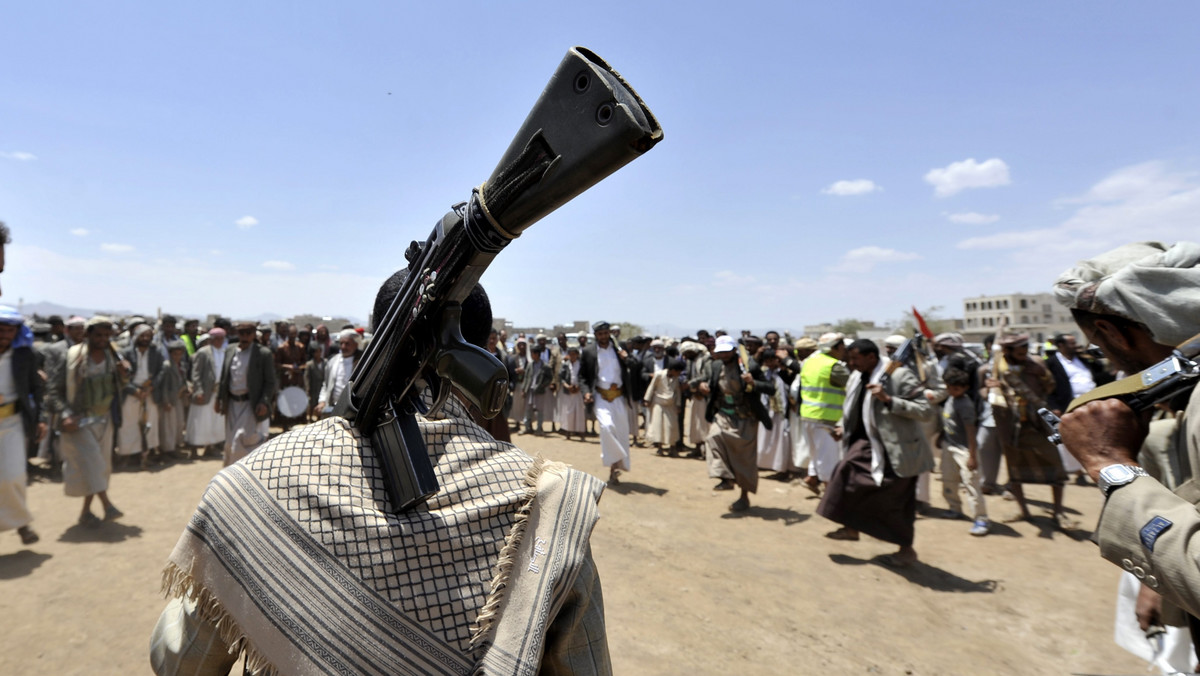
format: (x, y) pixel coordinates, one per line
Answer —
(572, 413)
(13, 510)
(774, 445)
(612, 417)
(129, 438)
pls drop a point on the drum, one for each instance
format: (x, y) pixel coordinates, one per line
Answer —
(292, 402)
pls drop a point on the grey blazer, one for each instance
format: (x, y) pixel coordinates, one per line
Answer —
(260, 379)
(203, 378)
(899, 424)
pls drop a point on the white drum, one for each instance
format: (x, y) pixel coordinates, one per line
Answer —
(292, 402)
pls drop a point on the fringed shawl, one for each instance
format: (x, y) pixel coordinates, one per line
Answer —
(294, 559)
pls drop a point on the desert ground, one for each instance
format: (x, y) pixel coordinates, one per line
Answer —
(689, 587)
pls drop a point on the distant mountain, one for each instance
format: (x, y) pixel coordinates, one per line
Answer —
(46, 308)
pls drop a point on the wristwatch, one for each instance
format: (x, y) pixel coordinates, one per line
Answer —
(1115, 476)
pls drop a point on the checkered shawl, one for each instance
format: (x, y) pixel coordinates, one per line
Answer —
(294, 559)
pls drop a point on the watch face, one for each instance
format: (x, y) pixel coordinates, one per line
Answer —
(1116, 474)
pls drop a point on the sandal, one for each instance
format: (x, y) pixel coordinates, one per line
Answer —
(843, 534)
(28, 535)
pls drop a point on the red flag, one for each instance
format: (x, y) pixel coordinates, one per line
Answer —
(922, 325)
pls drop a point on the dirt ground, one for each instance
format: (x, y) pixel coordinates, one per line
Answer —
(689, 588)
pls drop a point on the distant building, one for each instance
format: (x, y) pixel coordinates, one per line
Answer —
(1034, 313)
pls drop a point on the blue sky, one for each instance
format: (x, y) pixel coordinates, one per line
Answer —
(820, 161)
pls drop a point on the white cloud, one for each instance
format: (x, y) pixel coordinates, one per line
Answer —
(116, 248)
(1010, 240)
(959, 176)
(860, 186)
(246, 222)
(79, 232)
(731, 278)
(215, 252)
(973, 218)
(278, 265)
(1143, 202)
(863, 259)
(327, 267)
(18, 155)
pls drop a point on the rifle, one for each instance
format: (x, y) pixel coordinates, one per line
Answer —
(1167, 379)
(587, 123)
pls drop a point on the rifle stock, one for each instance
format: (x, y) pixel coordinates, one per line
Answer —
(587, 123)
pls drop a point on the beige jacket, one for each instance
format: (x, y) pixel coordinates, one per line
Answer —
(1153, 532)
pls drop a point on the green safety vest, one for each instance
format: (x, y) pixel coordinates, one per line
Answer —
(820, 400)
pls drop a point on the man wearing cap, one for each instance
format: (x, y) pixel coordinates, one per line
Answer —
(735, 410)
(85, 390)
(21, 420)
(607, 382)
(138, 433)
(205, 426)
(245, 394)
(1137, 303)
(1022, 384)
(823, 379)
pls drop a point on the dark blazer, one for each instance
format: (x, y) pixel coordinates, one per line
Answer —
(260, 378)
(588, 368)
(131, 355)
(647, 372)
(29, 390)
(516, 382)
(1061, 397)
(753, 398)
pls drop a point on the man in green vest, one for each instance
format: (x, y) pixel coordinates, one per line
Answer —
(823, 378)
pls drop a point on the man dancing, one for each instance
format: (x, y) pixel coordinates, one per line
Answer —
(605, 375)
(874, 488)
(735, 410)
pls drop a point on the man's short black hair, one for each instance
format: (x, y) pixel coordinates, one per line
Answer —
(169, 319)
(476, 321)
(1060, 338)
(865, 346)
(5, 234)
(54, 319)
(956, 376)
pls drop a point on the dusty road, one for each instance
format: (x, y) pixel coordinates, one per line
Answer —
(689, 588)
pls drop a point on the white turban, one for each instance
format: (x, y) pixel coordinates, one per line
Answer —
(1146, 282)
(350, 333)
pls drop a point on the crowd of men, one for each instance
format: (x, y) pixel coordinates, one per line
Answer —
(135, 392)
(162, 389)
(759, 404)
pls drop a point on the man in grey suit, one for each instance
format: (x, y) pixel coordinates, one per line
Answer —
(245, 394)
(874, 488)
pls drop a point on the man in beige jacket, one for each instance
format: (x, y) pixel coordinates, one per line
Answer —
(1137, 303)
